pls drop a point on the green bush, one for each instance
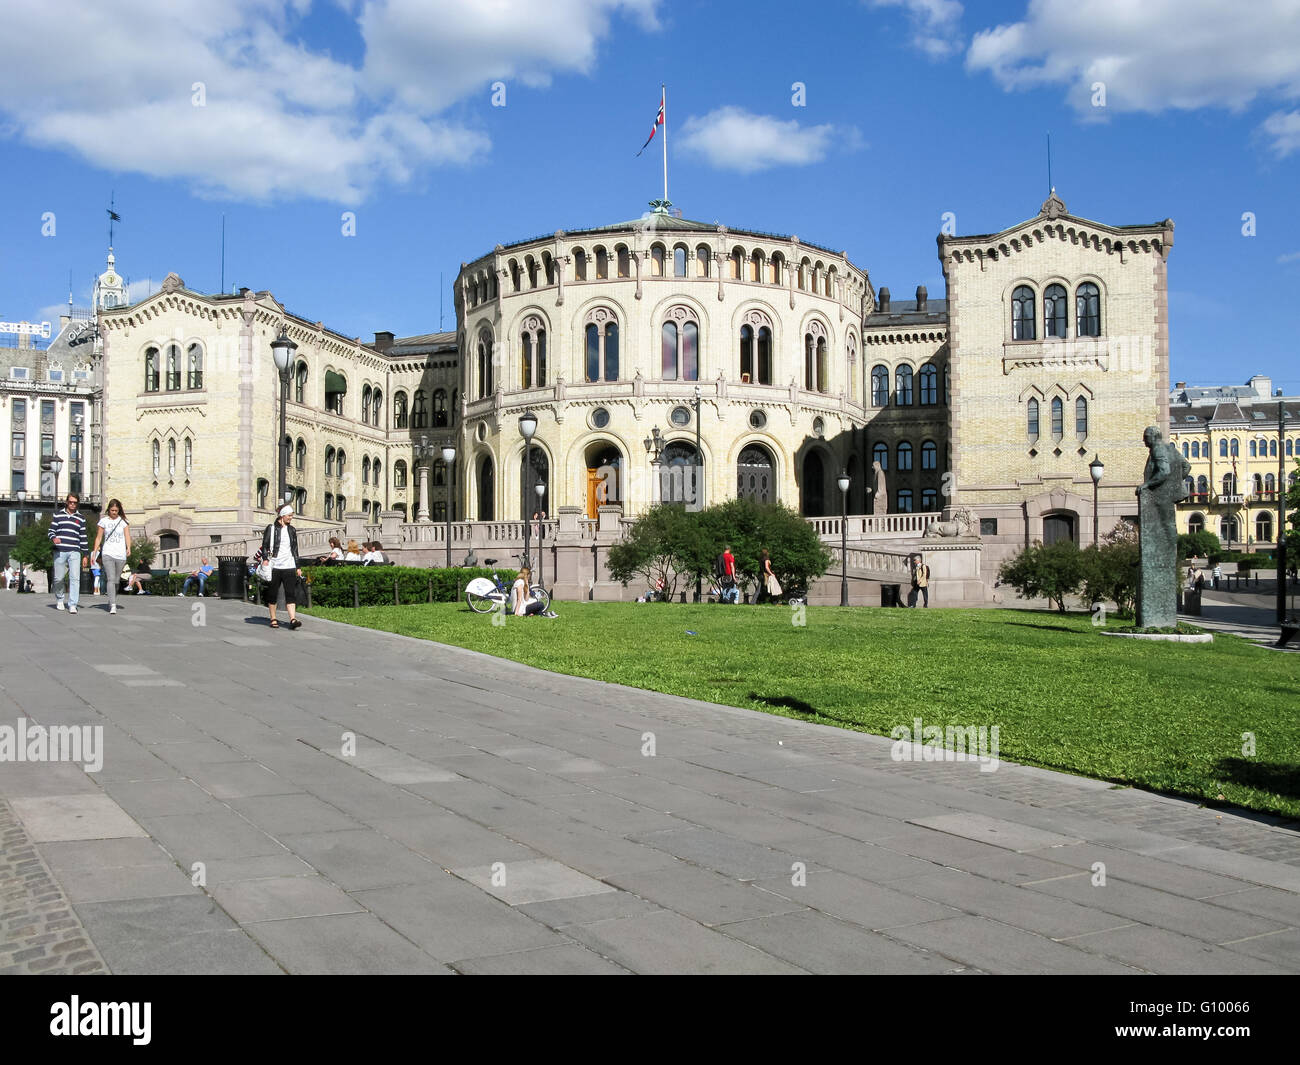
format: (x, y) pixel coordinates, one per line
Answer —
(143, 551)
(1201, 544)
(1052, 572)
(33, 547)
(1110, 570)
(332, 585)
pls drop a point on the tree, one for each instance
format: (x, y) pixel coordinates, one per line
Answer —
(658, 547)
(1110, 569)
(1052, 572)
(1201, 544)
(33, 547)
(143, 552)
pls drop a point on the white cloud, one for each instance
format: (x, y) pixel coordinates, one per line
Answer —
(1290, 257)
(732, 138)
(1152, 56)
(934, 23)
(279, 120)
(1284, 128)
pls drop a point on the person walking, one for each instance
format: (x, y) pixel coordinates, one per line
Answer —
(68, 533)
(1218, 575)
(768, 586)
(280, 549)
(112, 546)
(920, 581)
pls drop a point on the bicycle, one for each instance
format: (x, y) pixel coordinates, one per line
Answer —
(485, 594)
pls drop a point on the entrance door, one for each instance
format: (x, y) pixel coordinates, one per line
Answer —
(1058, 527)
(595, 491)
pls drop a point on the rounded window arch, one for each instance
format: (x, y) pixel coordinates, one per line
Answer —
(756, 349)
(342, 461)
(1223, 448)
(486, 488)
(880, 385)
(929, 455)
(813, 488)
(329, 462)
(1087, 309)
(1202, 488)
(904, 456)
(1058, 417)
(880, 454)
(532, 341)
(300, 454)
(680, 256)
(1264, 526)
(602, 264)
(420, 410)
(399, 473)
(579, 264)
(1055, 321)
(680, 345)
(440, 408)
(365, 470)
(657, 256)
(151, 369)
(756, 474)
(1032, 417)
(816, 369)
(300, 383)
(541, 470)
(194, 365)
(903, 386)
(624, 261)
(703, 260)
(1229, 484)
(600, 345)
(1235, 448)
(399, 410)
(1081, 416)
(483, 353)
(365, 404)
(1196, 522)
(929, 376)
(376, 408)
(1022, 313)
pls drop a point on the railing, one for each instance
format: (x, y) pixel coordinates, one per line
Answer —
(310, 542)
(861, 525)
(889, 565)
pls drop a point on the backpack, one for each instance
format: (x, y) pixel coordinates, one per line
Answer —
(720, 566)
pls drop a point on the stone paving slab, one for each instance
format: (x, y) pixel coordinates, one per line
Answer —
(251, 842)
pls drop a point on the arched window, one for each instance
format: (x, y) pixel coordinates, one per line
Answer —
(804, 267)
(300, 384)
(1289, 452)
(1054, 317)
(171, 459)
(1087, 309)
(173, 368)
(365, 405)
(1196, 449)
(1257, 483)
(342, 460)
(365, 470)
(1234, 447)
(1272, 449)
(929, 385)
(904, 457)
(754, 474)
(680, 346)
(702, 260)
(531, 266)
(1270, 485)
(904, 501)
(1264, 526)
(1196, 522)
(376, 407)
(929, 500)
(189, 456)
(300, 455)
(679, 260)
(756, 265)
(440, 408)
(300, 500)
(399, 473)
(1254, 449)
(880, 386)
(263, 489)
(336, 387)
(329, 462)
(439, 473)
(329, 506)
(1081, 416)
(157, 459)
(657, 260)
(532, 339)
(737, 263)
(1033, 417)
(399, 410)
(1228, 530)
(340, 505)
(579, 264)
(1058, 418)
(1202, 488)
(903, 386)
(486, 489)
(1186, 449)
(814, 358)
(775, 271)
(880, 454)
(420, 410)
(151, 370)
(1022, 313)
(1223, 448)
(484, 365)
(602, 264)
(601, 345)
(194, 367)
(929, 455)
(1229, 484)
(624, 261)
(756, 350)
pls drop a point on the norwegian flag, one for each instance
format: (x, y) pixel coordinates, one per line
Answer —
(659, 121)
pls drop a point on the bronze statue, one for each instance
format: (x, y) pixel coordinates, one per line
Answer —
(1164, 485)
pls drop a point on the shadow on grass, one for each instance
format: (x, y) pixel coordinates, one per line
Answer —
(1048, 628)
(1266, 776)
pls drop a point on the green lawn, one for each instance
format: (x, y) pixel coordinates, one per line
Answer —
(1163, 716)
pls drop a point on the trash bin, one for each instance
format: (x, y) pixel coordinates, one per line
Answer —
(231, 573)
(889, 595)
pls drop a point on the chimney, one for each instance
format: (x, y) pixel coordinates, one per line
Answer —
(383, 341)
(882, 301)
(921, 297)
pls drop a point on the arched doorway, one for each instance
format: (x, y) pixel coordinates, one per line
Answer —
(168, 540)
(755, 477)
(604, 465)
(679, 466)
(527, 483)
(1059, 526)
(813, 489)
(486, 489)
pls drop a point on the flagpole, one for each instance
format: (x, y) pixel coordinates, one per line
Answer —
(663, 90)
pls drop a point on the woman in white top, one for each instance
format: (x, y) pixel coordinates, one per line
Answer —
(280, 546)
(520, 603)
(353, 553)
(114, 535)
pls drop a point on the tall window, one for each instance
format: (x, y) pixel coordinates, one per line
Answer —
(601, 346)
(579, 264)
(680, 346)
(756, 265)
(329, 462)
(1223, 448)
(533, 341)
(1234, 447)
(756, 352)
(399, 410)
(1058, 418)
(194, 364)
(1229, 484)
(1022, 313)
(1203, 488)
(173, 368)
(904, 457)
(342, 462)
(602, 264)
(929, 500)
(679, 261)
(300, 384)
(1196, 449)
(624, 262)
(18, 431)
(171, 459)
(880, 454)
(903, 386)
(263, 489)
(376, 407)
(905, 501)
(365, 470)
(1264, 526)
(815, 368)
(702, 260)
(484, 365)
(399, 474)
(440, 408)
(737, 259)
(365, 405)
(929, 385)
(329, 506)
(1033, 417)
(1087, 309)
(880, 386)
(157, 460)
(929, 455)
(151, 370)
(420, 410)
(1081, 416)
(189, 457)
(657, 261)
(1054, 317)
(300, 455)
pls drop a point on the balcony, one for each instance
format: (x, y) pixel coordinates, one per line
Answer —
(1229, 500)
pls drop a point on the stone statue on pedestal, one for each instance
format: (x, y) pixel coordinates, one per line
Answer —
(1163, 486)
(879, 490)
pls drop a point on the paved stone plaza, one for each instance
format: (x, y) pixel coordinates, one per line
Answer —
(495, 818)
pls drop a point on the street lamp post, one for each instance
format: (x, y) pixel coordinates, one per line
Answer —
(844, 482)
(56, 467)
(422, 454)
(77, 460)
(654, 443)
(527, 427)
(449, 460)
(699, 480)
(1096, 468)
(282, 349)
(22, 513)
(540, 489)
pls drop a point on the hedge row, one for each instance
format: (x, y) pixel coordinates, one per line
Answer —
(333, 585)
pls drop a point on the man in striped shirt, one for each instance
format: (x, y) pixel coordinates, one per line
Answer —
(68, 532)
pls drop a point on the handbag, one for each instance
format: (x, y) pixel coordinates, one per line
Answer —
(264, 570)
(773, 585)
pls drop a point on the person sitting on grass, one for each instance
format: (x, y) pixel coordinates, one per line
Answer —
(201, 575)
(521, 604)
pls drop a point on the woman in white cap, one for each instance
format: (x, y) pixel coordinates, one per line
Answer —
(280, 547)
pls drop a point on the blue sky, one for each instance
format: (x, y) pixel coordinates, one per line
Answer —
(911, 108)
